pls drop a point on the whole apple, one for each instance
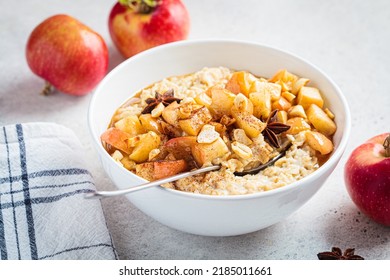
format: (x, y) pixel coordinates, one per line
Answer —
(367, 178)
(138, 25)
(67, 54)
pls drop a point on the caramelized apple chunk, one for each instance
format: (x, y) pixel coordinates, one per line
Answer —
(205, 153)
(180, 147)
(161, 169)
(240, 82)
(320, 120)
(308, 96)
(222, 101)
(196, 121)
(319, 142)
(249, 123)
(117, 139)
(146, 143)
(130, 125)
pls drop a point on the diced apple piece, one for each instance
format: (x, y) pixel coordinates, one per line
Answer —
(308, 96)
(117, 155)
(233, 84)
(154, 154)
(301, 82)
(131, 125)
(281, 104)
(116, 138)
(285, 79)
(319, 142)
(197, 120)
(160, 169)
(288, 96)
(275, 90)
(281, 116)
(157, 111)
(163, 169)
(133, 141)
(128, 164)
(190, 127)
(278, 76)
(170, 113)
(148, 142)
(243, 104)
(207, 134)
(222, 100)
(188, 100)
(170, 130)
(186, 109)
(297, 111)
(206, 153)
(297, 125)
(149, 123)
(180, 147)
(203, 99)
(249, 123)
(329, 113)
(320, 120)
(240, 82)
(261, 101)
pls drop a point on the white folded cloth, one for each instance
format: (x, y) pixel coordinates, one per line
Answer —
(43, 213)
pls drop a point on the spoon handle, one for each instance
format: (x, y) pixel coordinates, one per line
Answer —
(102, 194)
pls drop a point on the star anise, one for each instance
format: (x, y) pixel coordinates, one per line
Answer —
(166, 98)
(273, 129)
(337, 254)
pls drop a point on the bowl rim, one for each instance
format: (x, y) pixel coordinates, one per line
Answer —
(332, 161)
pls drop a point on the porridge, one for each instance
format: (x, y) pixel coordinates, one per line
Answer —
(218, 116)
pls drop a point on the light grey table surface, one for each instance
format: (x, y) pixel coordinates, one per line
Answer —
(349, 40)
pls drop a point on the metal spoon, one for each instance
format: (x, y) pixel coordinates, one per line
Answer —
(102, 194)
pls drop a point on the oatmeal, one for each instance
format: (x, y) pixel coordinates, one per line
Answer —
(218, 116)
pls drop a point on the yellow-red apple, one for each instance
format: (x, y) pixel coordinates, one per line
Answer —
(68, 54)
(137, 25)
(367, 178)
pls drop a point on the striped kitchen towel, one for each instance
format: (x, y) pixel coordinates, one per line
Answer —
(43, 213)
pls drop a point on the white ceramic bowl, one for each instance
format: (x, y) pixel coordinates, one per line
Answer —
(205, 214)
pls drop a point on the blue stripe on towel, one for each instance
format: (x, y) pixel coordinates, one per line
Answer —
(3, 246)
(54, 172)
(26, 192)
(50, 187)
(77, 248)
(46, 199)
(12, 196)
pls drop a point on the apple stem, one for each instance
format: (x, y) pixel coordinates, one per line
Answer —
(48, 89)
(386, 145)
(140, 6)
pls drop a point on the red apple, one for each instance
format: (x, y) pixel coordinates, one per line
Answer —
(67, 54)
(142, 24)
(367, 178)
